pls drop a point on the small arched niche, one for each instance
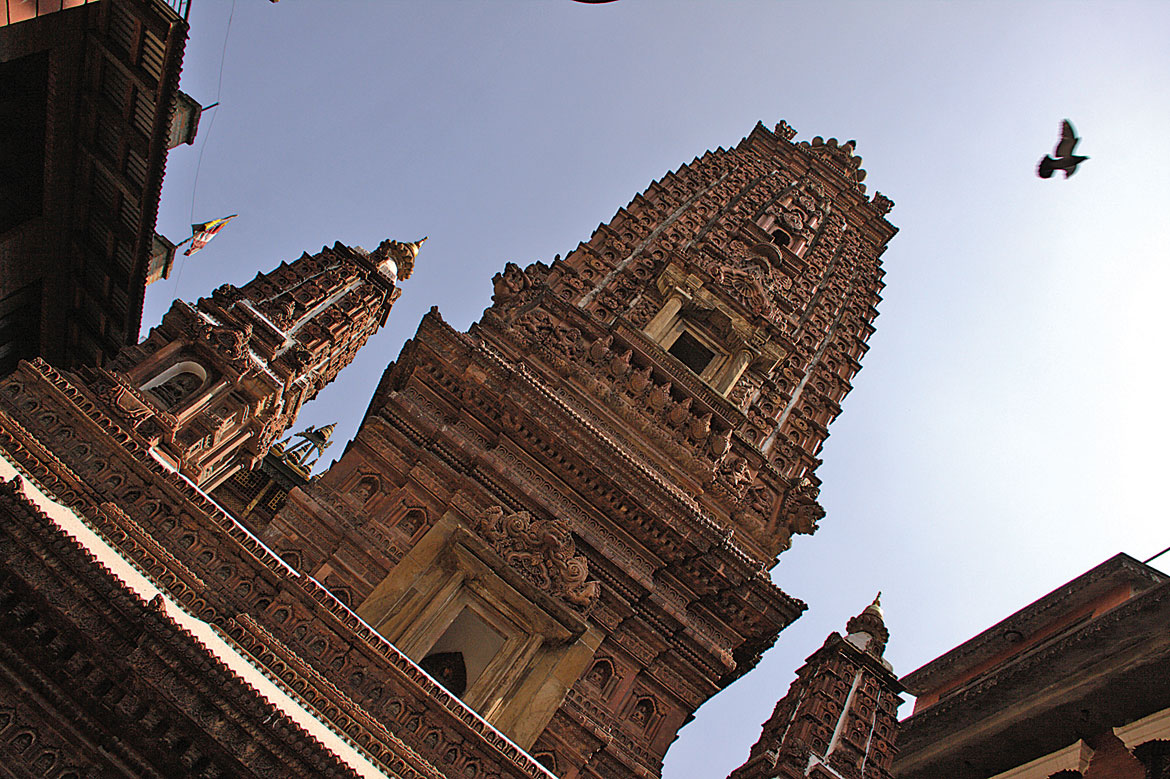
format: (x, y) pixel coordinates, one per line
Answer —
(643, 713)
(600, 674)
(177, 384)
(366, 488)
(411, 520)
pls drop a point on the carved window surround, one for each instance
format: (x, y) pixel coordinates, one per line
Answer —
(546, 646)
(678, 316)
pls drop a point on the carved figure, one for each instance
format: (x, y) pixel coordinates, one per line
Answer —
(510, 283)
(177, 388)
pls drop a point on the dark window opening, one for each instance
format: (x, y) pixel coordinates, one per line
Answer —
(20, 327)
(23, 104)
(448, 669)
(692, 353)
(781, 238)
(1155, 757)
(462, 653)
(547, 759)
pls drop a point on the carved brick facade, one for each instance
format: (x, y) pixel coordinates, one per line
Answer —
(567, 513)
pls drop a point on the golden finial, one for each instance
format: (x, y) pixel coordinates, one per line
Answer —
(400, 254)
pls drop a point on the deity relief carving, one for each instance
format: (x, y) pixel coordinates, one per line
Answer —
(750, 278)
(543, 551)
(541, 330)
(800, 509)
(510, 283)
(231, 342)
(882, 203)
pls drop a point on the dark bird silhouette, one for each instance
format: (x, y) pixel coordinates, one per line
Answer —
(1065, 159)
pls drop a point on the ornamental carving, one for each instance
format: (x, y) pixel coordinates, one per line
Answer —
(231, 342)
(839, 157)
(542, 550)
(542, 330)
(882, 203)
(752, 281)
(800, 510)
(510, 283)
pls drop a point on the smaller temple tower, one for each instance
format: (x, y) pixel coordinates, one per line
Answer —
(217, 383)
(839, 718)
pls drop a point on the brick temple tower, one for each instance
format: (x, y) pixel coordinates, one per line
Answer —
(217, 382)
(567, 514)
(840, 716)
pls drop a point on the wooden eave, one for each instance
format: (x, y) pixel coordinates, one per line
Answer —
(90, 591)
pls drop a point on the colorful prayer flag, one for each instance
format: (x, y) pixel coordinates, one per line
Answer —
(202, 233)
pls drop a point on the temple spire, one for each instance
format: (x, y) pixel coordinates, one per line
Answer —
(867, 631)
(839, 717)
(305, 453)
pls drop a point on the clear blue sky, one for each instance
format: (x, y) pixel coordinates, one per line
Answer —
(1007, 430)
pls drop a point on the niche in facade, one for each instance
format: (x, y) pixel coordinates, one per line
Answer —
(177, 384)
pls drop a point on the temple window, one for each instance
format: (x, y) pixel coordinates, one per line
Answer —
(448, 669)
(460, 655)
(691, 352)
(694, 348)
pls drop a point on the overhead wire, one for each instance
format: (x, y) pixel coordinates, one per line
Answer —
(1148, 560)
(206, 136)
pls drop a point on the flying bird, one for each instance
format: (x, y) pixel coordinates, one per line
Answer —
(1065, 159)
